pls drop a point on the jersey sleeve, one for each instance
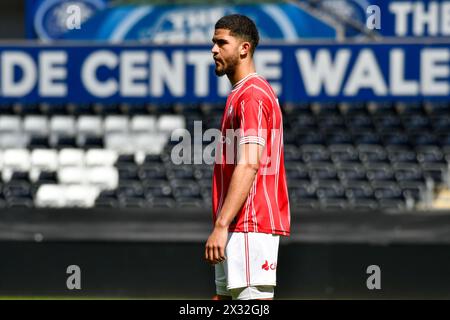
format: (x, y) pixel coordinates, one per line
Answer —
(253, 118)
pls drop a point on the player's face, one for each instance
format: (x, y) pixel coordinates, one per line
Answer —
(225, 52)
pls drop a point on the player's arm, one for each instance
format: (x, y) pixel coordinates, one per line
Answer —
(241, 182)
(252, 112)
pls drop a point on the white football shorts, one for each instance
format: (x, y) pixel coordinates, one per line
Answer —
(251, 262)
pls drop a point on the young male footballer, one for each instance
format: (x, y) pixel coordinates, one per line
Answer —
(249, 192)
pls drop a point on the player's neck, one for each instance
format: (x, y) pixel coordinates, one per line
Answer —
(241, 72)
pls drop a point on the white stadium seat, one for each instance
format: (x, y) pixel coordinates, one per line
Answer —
(122, 143)
(81, 196)
(62, 125)
(71, 157)
(10, 124)
(72, 175)
(13, 140)
(150, 143)
(90, 125)
(44, 159)
(50, 195)
(36, 125)
(116, 124)
(16, 159)
(100, 157)
(58, 196)
(143, 124)
(106, 178)
(168, 123)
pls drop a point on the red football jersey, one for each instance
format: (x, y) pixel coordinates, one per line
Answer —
(253, 115)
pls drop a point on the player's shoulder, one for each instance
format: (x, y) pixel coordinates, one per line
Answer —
(261, 87)
(258, 88)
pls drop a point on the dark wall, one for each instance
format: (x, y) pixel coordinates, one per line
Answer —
(12, 19)
(177, 271)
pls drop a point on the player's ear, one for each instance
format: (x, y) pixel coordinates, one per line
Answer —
(245, 48)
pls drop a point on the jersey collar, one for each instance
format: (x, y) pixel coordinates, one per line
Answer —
(237, 84)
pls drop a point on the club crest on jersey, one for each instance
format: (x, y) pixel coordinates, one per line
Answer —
(230, 110)
(266, 266)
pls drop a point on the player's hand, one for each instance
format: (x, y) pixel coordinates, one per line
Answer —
(215, 246)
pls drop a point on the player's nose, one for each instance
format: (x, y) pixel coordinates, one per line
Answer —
(215, 49)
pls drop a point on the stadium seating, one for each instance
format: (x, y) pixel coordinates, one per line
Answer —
(344, 156)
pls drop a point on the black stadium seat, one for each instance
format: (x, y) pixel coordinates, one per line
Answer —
(91, 142)
(424, 139)
(165, 202)
(395, 139)
(330, 123)
(359, 191)
(402, 155)
(152, 159)
(152, 172)
(330, 191)
(296, 171)
(343, 153)
(180, 172)
(61, 142)
(350, 173)
(128, 171)
(440, 124)
(322, 171)
(18, 176)
(430, 154)
(48, 177)
(412, 189)
(366, 138)
(17, 189)
(314, 153)
(379, 172)
(372, 154)
(434, 171)
(387, 191)
(339, 137)
(302, 138)
(359, 123)
(157, 188)
(408, 172)
(130, 189)
(387, 123)
(39, 142)
(303, 191)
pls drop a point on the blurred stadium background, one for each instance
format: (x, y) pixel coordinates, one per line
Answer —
(91, 91)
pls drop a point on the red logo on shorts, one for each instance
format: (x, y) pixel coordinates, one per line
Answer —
(266, 266)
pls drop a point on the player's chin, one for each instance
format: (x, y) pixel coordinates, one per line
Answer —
(219, 71)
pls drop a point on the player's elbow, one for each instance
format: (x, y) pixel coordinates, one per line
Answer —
(251, 166)
(250, 155)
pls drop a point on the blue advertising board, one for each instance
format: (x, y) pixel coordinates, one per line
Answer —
(391, 18)
(54, 20)
(425, 18)
(103, 20)
(141, 74)
(50, 19)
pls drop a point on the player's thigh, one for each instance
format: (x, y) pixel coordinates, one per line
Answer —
(252, 260)
(221, 280)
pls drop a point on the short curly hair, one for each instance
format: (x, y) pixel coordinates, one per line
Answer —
(240, 26)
